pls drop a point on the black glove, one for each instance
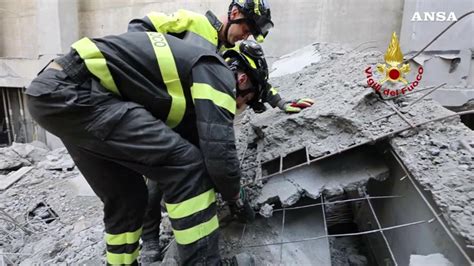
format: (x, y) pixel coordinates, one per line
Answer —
(241, 208)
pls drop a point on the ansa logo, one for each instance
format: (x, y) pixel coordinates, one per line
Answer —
(434, 16)
(393, 71)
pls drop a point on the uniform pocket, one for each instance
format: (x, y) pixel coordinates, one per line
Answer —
(44, 84)
(107, 117)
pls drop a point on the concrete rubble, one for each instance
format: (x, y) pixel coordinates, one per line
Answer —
(346, 113)
(343, 116)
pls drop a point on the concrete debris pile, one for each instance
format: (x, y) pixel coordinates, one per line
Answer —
(50, 214)
(45, 218)
(347, 113)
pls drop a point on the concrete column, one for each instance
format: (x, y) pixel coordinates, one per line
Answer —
(58, 26)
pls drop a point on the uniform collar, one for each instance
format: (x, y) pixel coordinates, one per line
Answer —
(217, 24)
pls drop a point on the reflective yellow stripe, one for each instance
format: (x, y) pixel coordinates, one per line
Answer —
(170, 76)
(184, 20)
(206, 92)
(256, 8)
(252, 63)
(191, 206)
(120, 259)
(260, 38)
(193, 234)
(124, 238)
(201, 26)
(95, 63)
(273, 91)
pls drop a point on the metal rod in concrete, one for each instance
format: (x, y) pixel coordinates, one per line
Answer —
(335, 202)
(411, 104)
(380, 227)
(323, 209)
(439, 35)
(399, 114)
(370, 141)
(418, 91)
(281, 234)
(446, 229)
(426, 94)
(15, 222)
(337, 235)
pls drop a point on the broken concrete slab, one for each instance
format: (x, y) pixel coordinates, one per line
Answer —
(57, 159)
(281, 189)
(295, 62)
(345, 172)
(8, 180)
(33, 153)
(81, 187)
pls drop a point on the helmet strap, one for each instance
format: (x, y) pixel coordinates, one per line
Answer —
(227, 27)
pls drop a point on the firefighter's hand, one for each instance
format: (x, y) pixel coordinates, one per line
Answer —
(298, 105)
(240, 208)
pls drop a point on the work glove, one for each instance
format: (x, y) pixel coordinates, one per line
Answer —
(298, 105)
(240, 208)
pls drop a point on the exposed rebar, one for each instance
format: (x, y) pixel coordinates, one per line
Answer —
(335, 202)
(446, 229)
(380, 226)
(337, 235)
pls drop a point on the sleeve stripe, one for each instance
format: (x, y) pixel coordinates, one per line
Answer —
(206, 92)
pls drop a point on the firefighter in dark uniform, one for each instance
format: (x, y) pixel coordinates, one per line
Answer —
(207, 31)
(243, 18)
(124, 107)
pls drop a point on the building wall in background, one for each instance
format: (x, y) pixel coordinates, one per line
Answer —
(450, 59)
(297, 22)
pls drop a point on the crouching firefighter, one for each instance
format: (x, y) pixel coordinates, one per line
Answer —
(147, 104)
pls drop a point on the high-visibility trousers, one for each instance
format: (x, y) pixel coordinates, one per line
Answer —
(114, 143)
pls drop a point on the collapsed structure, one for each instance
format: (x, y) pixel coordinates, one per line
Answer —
(353, 180)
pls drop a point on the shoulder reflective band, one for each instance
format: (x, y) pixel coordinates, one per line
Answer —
(95, 63)
(193, 234)
(202, 27)
(184, 20)
(273, 91)
(121, 259)
(124, 238)
(170, 76)
(191, 206)
(204, 91)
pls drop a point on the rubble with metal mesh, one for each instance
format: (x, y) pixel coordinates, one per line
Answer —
(347, 113)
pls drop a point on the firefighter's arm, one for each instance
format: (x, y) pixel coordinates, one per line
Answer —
(274, 99)
(214, 101)
(161, 22)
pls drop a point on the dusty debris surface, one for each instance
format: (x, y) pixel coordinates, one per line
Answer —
(50, 215)
(346, 113)
(53, 219)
